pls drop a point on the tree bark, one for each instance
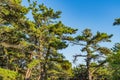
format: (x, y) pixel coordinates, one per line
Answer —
(88, 69)
(89, 77)
(28, 73)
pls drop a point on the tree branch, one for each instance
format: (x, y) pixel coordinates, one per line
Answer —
(77, 43)
(75, 57)
(97, 67)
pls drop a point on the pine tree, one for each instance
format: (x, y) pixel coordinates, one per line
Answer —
(27, 47)
(92, 49)
(52, 36)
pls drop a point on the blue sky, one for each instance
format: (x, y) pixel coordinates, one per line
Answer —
(98, 15)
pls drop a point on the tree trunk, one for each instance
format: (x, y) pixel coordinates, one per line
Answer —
(88, 60)
(89, 77)
(39, 77)
(28, 73)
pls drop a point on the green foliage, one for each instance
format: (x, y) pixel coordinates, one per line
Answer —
(117, 21)
(30, 46)
(60, 70)
(116, 47)
(33, 63)
(8, 74)
(114, 65)
(101, 73)
(79, 72)
(114, 62)
(92, 51)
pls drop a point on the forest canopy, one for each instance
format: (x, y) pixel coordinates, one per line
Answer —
(29, 49)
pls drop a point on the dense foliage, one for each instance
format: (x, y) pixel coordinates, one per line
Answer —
(29, 48)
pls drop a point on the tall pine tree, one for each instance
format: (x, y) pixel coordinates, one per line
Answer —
(91, 49)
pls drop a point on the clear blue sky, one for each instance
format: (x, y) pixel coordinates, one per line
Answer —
(98, 15)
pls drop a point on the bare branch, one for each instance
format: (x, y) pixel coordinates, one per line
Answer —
(79, 55)
(77, 43)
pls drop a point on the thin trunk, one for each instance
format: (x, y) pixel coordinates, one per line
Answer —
(28, 73)
(89, 77)
(39, 77)
(88, 68)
